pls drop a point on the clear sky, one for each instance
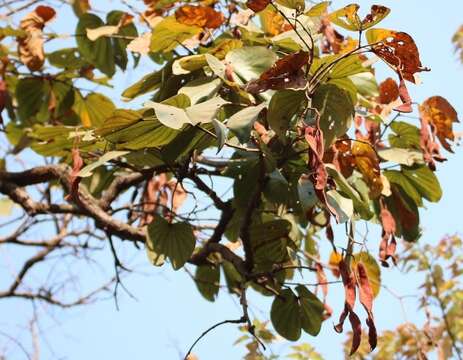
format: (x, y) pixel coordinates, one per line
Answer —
(169, 313)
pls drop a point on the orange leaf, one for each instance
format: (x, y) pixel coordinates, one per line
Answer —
(388, 91)
(202, 16)
(438, 112)
(368, 164)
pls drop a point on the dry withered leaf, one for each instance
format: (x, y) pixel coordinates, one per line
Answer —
(388, 91)
(284, 74)
(257, 5)
(367, 162)
(399, 50)
(202, 16)
(74, 179)
(438, 112)
(430, 148)
(30, 47)
(366, 299)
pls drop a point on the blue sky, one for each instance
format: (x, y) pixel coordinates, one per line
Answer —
(169, 313)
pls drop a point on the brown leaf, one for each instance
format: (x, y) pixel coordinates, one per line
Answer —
(30, 47)
(399, 50)
(322, 280)
(202, 16)
(257, 5)
(356, 332)
(389, 228)
(367, 163)
(429, 146)
(366, 299)
(284, 74)
(388, 91)
(74, 179)
(438, 112)
(406, 107)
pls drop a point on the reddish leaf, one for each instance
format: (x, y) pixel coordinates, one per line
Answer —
(399, 50)
(284, 74)
(438, 112)
(366, 299)
(77, 164)
(388, 91)
(431, 149)
(386, 250)
(257, 5)
(406, 107)
(322, 280)
(3, 98)
(202, 16)
(356, 332)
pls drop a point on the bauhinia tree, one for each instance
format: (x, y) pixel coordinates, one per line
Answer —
(277, 99)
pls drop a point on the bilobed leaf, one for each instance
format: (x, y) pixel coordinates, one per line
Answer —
(283, 106)
(406, 135)
(167, 35)
(285, 315)
(348, 18)
(31, 94)
(170, 116)
(201, 89)
(311, 310)
(398, 178)
(93, 109)
(336, 111)
(425, 181)
(221, 133)
(176, 241)
(207, 280)
(298, 5)
(241, 122)
(100, 52)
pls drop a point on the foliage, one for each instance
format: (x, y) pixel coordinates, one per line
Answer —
(306, 136)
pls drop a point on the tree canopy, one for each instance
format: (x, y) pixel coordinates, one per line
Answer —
(277, 100)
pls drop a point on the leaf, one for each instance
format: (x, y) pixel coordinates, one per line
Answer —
(167, 35)
(388, 91)
(285, 315)
(437, 111)
(250, 62)
(175, 241)
(425, 181)
(286, 73)
(344, 206)
(311, 310)
(372, 268)
(397, 49)
(318, 9)
(100, 53)
(402, 156)
(283, 106)
(221, 133)
(94, 109)
(201, 89)
(336, 111)
(298, 5)
(175, 117)
(367, 163)
(398, 178)
(6, 206)
(146, 84)
(202, 16)
(366, 299)
(32, 94)
(187, 64)
(257, 5)
(66, 59)
(241, 122)
(406, 135)
(348, 18)
(88, 170)
(30, 46)
(207, 280)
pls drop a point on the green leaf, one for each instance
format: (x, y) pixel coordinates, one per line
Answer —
(425, 181)
(167, 35)
(402, 156)
(66, 59)
(187, 64)
(406, 135)
(173, 240)
(201, 89)
(250, 61)
(221, 133)
(241, 122)
(283, 106)
(336, 111)
(207, 280)
(31, 94)
(120, 44)
(100, 52)
(318, 9)
(398, 178)
(311, 311)
(94, 109)
(285, 315)
(146, 84)
(372, 267)
(111, 155)
(298, 5)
